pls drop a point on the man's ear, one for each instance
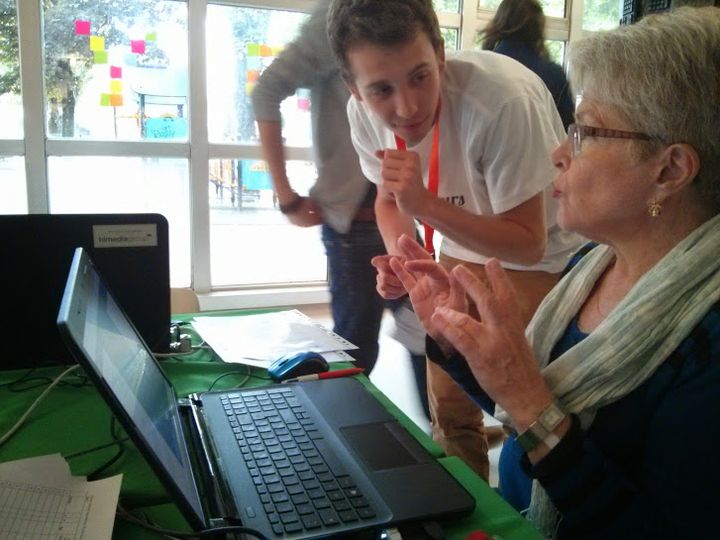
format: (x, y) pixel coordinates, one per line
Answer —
(680, 164)
(353, 89)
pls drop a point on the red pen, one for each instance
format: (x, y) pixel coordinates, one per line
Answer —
(326, 375)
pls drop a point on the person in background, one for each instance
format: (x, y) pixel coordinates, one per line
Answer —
(518, 30)
(477, 129)
(342, 200)
(613, 388)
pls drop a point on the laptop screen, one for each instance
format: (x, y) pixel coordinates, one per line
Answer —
(109, 347)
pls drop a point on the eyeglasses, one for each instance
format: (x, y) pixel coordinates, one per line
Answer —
(578, 132)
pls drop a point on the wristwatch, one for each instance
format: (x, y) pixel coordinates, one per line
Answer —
(541, 430)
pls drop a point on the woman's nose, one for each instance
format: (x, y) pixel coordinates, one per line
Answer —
(561, 156)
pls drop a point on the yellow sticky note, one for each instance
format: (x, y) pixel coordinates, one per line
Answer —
(97, 43)
(249, 88)
(116, 100)
(101, 57)
(276, 50)
(116, 86)
(104, 100)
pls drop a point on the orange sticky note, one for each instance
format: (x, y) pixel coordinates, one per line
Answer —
(252, 75)
(97, 43)
(116, 100)
(265, 50)
(101, 57)
(116, 86)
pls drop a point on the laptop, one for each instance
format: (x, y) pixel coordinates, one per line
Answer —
(300, 460)
(129, 250)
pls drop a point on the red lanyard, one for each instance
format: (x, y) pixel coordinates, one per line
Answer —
(433, 177)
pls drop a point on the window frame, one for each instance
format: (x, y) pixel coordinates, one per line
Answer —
(36, 148)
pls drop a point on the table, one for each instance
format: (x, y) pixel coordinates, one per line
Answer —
(73, 418)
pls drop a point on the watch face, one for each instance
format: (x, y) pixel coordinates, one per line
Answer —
(551, 417)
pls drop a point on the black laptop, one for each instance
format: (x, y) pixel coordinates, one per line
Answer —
(131, 251)
(300, 460)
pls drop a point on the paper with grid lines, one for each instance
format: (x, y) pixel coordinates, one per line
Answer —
(41, 500)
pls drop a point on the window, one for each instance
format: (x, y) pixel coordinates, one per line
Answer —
(116, 70)
(13, 194)
(125, 123)
(600, 14)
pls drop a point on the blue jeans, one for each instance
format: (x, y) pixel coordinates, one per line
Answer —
(356, 306)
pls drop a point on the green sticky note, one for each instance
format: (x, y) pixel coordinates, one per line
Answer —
(151, 36)
(101, 57)
(253, 49)
(104, 100)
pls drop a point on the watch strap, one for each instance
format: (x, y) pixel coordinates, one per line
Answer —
(541, 430)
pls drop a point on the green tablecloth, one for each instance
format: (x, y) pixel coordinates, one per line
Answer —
(73, 418)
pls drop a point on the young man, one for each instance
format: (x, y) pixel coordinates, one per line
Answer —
(477, 129)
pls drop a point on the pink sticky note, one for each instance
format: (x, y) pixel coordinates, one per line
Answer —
(115, 72)
(82, 27)
(137, 46)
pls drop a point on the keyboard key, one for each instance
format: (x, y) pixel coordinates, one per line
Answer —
(346, 482)
(329, 517)
(347, 516)
(366, 513)
(305, 508)
(311, 521)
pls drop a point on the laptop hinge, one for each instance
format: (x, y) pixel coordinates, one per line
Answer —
(215, 490)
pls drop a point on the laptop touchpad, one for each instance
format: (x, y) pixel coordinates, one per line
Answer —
(384, 445)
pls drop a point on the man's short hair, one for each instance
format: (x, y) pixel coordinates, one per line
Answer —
(379, 22)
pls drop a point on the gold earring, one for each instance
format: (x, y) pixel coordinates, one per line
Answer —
(654, 209)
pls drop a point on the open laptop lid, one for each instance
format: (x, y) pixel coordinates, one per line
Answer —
(131, 251)
(108, 347)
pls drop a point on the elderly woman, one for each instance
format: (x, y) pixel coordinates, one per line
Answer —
(614, 388)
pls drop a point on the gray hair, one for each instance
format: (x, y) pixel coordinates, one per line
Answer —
(663, 75)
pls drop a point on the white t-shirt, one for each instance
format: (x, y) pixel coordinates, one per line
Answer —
(498, 127)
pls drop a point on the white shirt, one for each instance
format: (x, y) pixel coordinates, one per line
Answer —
(498, 127)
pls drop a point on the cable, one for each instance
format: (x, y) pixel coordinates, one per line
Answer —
(121, 450)
(19, 423)
(36, 382)
(247, 373)
(127, 516)
(96, 448)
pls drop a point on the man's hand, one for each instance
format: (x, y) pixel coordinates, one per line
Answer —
(402, 179)
(308, 214)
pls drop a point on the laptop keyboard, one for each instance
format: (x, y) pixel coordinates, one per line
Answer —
(300, 481)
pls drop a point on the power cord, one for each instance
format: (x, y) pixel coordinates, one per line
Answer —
(37, 401)
(127, 516)
(25, 382)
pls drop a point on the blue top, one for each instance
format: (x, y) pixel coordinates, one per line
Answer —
(552, 75)
(648, 465)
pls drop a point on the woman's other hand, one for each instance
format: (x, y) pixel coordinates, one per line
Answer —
(495, 347)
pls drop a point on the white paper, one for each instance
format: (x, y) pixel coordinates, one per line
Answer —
(258, 340)
(39, 498)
